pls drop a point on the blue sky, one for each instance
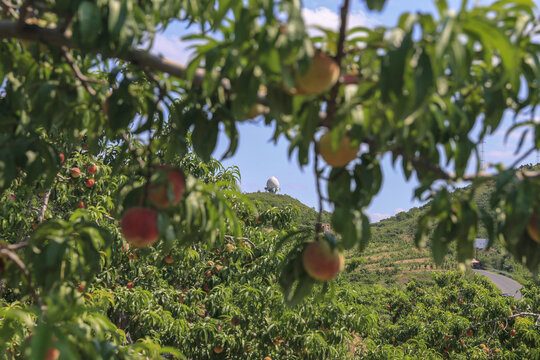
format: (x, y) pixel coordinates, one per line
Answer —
(258, 158)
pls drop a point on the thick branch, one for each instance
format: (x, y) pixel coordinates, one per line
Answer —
(23, 10)
(9, 30)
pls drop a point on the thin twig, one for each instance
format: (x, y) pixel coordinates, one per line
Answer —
(9, 7)
(520, 314)
(85, 80)
(7, 4)
(522, 157)
(331, 112)
(43, 209)
(133, 150)
(230, 237)
(492, 333)
(16, 246)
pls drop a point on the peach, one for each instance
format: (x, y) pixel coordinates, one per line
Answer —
(321, 262)
(321, 75)
(158, 193)
(341, 156)
(75, 172)
(52, 354)
(139, 226)
(91, 168)
(532, 228)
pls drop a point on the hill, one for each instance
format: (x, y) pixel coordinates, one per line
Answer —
(392, 256)
(265, 200)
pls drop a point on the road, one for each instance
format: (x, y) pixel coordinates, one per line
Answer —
(507, 285)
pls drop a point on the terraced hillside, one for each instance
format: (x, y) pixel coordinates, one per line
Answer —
(391, 256)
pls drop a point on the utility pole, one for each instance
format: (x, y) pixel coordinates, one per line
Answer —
(482, 155)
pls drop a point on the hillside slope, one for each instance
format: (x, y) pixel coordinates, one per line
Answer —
(308, 216)
(391, 256)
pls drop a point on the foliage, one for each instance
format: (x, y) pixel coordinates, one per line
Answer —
(306, 215)
(79, 86)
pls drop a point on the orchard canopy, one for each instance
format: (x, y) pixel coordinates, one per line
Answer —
(92, 122)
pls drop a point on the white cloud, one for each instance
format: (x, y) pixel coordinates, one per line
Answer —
(376, 217)
(498, 155)
(172, 48)
(398, 210)
(326, 18)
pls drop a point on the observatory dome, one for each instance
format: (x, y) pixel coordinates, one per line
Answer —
(272, 184)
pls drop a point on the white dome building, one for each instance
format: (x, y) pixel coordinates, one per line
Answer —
(272, 185)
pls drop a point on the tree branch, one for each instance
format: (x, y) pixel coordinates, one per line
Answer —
(9, 7)
(520, 314)
(82, 78)
(230, 237)
(9, 30)
(522, 157)
(22, 13)
(41, 214)
(85, 80)
(339, 57)
(318, 187)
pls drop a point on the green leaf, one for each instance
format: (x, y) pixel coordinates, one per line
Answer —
(7, 169)
(117, 16)
(376, 5)
(438, 248)
(423, 78)
(89, 22)
(393, 69)
(463, 153)
(496, 39)
(204, 138)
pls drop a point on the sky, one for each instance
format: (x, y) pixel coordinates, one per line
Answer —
(259, 158)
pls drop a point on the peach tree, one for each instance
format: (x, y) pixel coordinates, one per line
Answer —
(80, 87)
